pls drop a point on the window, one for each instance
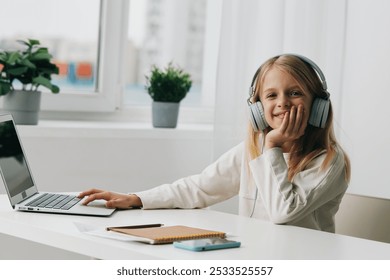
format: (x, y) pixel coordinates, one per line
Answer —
(105, 48)
(71, 35)
(156, 38)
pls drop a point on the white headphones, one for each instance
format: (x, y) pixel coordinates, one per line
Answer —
(319, 109)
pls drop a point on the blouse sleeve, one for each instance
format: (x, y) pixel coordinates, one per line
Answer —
(311, 188)
(218, 182)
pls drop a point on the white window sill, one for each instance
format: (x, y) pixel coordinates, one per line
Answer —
(95, 129)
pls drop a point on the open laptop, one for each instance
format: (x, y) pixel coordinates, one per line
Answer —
(20, 186)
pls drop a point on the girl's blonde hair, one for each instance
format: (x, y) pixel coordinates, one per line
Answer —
(315, 140)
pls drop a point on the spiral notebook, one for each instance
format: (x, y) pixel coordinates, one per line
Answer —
(168, 234)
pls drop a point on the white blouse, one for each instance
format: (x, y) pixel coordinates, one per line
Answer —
(311, 200)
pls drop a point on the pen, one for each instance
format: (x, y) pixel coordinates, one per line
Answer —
(136, 226)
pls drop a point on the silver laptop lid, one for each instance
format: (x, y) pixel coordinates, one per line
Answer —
(14, 168)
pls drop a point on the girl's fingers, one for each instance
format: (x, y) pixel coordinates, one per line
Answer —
(298, 120)
(285, 123)
(100, 195)
(291, 128)
(302, 125)
(292, 124)
(89, 192)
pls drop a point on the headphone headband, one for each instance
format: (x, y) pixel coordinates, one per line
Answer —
(315, 67)
(311, 63)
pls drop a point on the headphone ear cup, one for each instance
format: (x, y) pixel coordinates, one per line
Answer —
(319, 112)
(256, 116)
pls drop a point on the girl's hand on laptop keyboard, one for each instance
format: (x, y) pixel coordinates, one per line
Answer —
(113, 200)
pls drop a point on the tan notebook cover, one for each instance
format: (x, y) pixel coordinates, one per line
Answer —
(169, 234)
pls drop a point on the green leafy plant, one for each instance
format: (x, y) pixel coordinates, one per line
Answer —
(30, 66)
(168, 85)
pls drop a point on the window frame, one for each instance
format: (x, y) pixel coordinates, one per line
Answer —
(107, 101)
(108, 86)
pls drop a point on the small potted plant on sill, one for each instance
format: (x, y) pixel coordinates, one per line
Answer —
(31, 67)
(167, 87)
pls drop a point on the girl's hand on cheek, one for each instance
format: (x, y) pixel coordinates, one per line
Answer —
(292, 128)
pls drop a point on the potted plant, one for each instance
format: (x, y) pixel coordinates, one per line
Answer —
(167, 87)
(28, 68)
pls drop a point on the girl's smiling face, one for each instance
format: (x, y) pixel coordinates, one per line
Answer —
(279, 93)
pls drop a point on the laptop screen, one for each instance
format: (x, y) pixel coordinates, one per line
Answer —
(13, 164)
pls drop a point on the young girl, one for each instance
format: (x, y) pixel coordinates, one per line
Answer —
(291, 170)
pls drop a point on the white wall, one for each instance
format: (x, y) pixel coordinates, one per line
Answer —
(123, 159)
(365, 125)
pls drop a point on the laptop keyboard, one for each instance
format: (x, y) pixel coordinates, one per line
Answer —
(54, 201)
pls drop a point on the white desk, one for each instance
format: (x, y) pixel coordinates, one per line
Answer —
(260, 240)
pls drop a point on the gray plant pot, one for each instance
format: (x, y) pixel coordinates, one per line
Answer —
(23, 105)
(165, 114)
